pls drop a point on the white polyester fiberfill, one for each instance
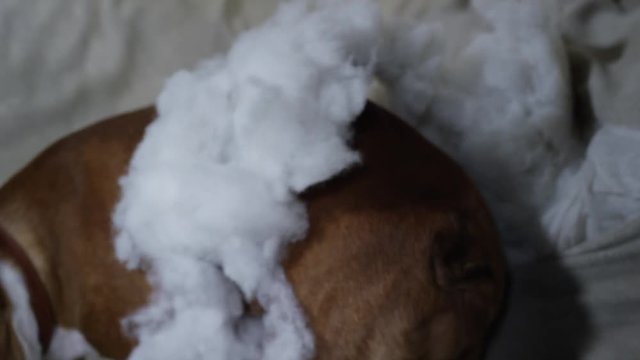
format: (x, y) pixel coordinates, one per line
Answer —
(487, 81)
(209, 202)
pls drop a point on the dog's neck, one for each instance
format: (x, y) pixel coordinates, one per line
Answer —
(39, 300)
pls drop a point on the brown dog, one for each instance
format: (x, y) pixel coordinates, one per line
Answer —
(401, 260)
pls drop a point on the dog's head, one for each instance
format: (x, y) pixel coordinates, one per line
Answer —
(402, 260)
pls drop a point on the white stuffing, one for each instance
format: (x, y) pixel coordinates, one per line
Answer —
(488, 83)
(209, 202)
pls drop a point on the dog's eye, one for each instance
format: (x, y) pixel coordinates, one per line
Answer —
(457, 259)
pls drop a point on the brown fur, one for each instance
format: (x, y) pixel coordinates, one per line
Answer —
(401, 260)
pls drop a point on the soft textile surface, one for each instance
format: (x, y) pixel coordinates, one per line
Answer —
(553, 87)
(66, 63)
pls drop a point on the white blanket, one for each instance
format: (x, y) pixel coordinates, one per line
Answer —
(66, 63)
(584, 303)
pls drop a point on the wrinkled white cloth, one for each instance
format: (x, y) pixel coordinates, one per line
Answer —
(584, 301)
(67, 63)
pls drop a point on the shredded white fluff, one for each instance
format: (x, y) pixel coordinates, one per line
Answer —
(209, 202)
(487, 81)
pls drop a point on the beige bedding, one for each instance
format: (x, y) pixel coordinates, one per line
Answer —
(66, 63)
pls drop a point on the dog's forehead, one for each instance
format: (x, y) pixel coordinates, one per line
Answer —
(398, 168)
